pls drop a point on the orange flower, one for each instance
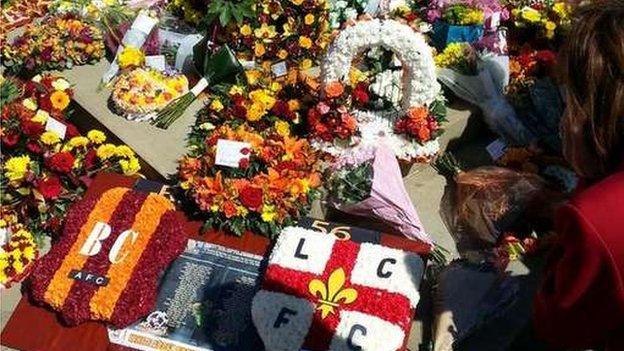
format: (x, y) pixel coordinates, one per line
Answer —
(59, 100)
(424, 134)
(418, 114)
(229, 209)
(334, 89)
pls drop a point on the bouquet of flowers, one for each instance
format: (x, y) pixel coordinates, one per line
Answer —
(367, 182)
(54, 44)
(456, 22)
(544, 18)
(140, 93)
(270, 182)
(18, 249)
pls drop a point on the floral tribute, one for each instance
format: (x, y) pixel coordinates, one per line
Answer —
(293, 30)
(140, 93)
(272, 185)
(18, 253)
(545, 18)
(42, 171)
(341, 119)
(107, 263)
(56, 43)
(321, 293)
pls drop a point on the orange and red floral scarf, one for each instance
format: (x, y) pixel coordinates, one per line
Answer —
(106, 265)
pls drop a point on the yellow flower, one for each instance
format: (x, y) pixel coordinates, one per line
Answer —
(294, 104)
(105, 151)
(255, 112)
(130, 56)
(275, 86)
(41, 117)
(356, 76)
(253, 75)
(185, 185)
(245, 30)
(265, 32)
(471, 17)
(282, 54)
(297, 2)
(268, 213)
(242, 211)
(79, 141)
(50, 138)
(59, 99)
(531, 14)
(305, 42)
(216, 105)
(235, 90)
(550, 25)
(130, 166)
(124, 151)
(16, 168)
(562, 10)
(30, 104)
(282, 128)
(96, 136)
(306, 64)
(259, 49)
(308, 19)
(262, 97)
(60, 84)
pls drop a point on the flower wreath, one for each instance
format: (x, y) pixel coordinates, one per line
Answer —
(18, 253)
(412, 133)
(106, 265)
(321, 293)
(273, 185)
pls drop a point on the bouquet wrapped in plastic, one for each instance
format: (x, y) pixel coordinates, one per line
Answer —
(485, 89)
(488, 201)
(367, 182)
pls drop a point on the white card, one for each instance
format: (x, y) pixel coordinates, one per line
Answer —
(144, 23)
(156, 62)
(497, 148)
(279, 69)
(56, 126)
(229, 153)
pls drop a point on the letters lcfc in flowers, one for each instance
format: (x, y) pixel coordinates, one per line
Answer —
(100, 232)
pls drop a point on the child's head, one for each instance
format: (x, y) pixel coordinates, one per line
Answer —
(593, 73)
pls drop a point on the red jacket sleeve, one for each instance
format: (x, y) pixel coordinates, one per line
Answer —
(578, 305)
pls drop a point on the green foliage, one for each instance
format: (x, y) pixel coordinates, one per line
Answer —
(226, 11)
(352, 184)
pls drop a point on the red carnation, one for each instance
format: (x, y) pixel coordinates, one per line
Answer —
(45, 103)
(10, 140)
(32, 129)
(61, 162)
(251, 198)
(50, 188)
(90, 159)
(33, 147)
(243, 163)
(360, 94)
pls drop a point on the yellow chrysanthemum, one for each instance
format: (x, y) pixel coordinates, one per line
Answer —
(530, 14)
(282, 54)
(96, 136)
(50, 137)
(124, 151)
(306, 64)
(236, 90)
(268, 213)
(130, 56)
(79, 141)
(297, 2)
(255, 112)
(309, 19)
(282, 128)
(259, 49)
(265, 32)
(216, 105)
(246, 30)
(130, 166)
(253, 75)
(106, 151)
(262, 97)
(16, 168)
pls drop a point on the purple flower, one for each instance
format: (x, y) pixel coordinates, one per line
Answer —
(85, 35)
(46, 54)
(433, 15)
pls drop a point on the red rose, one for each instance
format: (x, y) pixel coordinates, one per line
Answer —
(61, 162)
(360, 94)
(50, 188)
(251, 198)
(10, 140)
(243, 163)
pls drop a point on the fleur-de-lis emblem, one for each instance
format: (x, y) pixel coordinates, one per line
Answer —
(332, 295)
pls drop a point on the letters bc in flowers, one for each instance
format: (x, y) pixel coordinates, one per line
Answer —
(322, 293)
(106, 265)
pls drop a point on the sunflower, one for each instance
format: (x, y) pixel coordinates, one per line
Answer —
(59, 100)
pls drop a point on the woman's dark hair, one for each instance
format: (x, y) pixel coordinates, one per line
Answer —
(593, 75)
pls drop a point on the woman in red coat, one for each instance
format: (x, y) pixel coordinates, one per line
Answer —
(581, 302)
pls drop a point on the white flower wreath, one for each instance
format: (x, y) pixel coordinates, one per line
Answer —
(419, 84)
